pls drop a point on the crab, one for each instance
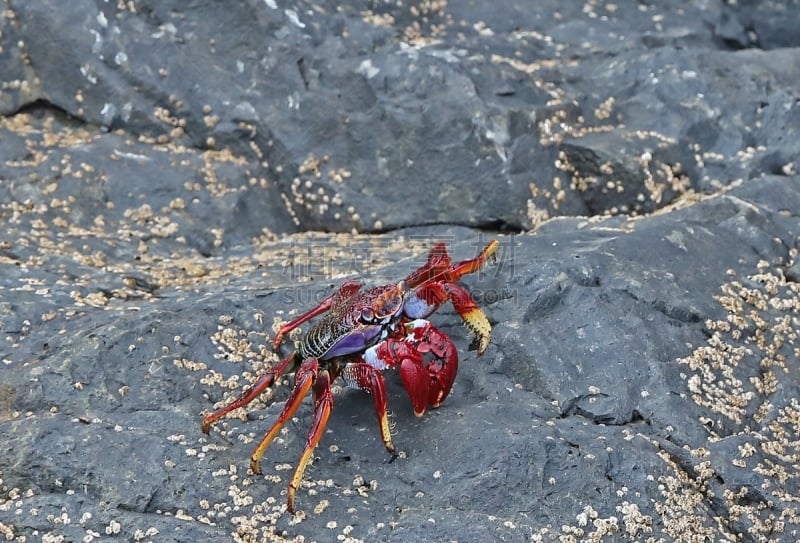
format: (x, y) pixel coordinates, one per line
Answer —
(364, 332)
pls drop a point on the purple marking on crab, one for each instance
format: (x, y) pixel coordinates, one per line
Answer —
(353, 342)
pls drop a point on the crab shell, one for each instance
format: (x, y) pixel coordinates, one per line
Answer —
(364, 320)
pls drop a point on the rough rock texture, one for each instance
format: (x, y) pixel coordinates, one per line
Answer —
(176, 178)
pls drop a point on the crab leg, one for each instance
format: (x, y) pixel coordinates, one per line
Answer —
(439, 266)
(438, 261)
(364, 376)
(427, 299)
(348, 289)
(456, 271)
(303, 381)
(323, 404)
(264, 382)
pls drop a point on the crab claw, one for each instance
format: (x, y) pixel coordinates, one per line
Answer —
(443, 366)
(428, 362)
(416, 382)
(413, 373)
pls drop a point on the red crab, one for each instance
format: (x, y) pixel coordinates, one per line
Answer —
(365, 332)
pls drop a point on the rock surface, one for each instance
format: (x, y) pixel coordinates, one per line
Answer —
(177, 178)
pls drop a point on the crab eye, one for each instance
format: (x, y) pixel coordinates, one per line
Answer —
(367, 315)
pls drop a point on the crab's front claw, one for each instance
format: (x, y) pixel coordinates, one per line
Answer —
(442, 366)
(413, 373)
(428, 362)
(416, 382)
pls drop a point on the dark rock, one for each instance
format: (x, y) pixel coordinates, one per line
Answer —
(769, 25)
(164, 167)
